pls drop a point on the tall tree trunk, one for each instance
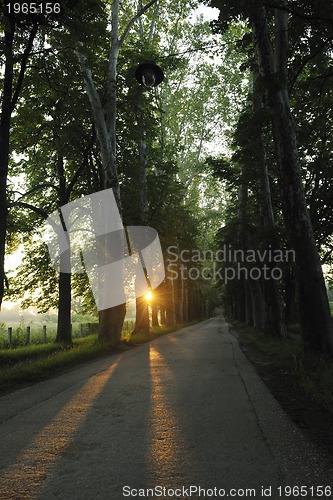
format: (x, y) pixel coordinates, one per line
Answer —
(315, 319)
(249, 316)
(6, 112)
(242, 242)
(64, 334)
(64, 330)
(273, 317)
(9, 99)
(243, 302)
(154, 313)
(142, 316)
(185, 306)
(142, 310)
(170, 316)
(163, 310)
(110, 320)
(291, 316)
(181, 300)
(258, 304)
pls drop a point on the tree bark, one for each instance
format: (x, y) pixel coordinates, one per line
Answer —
(142, 311)
(273, 317)
(154, 313)
(110, 320)
(142, 316)
(181, 300)
(6, 113)
(64, 329)
(249, 307)
(315, 319)
(64, 334)
(162, 309)
(291, 316)
(258, 305)
(170, 313)
(9, 99)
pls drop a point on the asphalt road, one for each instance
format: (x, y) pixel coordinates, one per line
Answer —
(187, 411)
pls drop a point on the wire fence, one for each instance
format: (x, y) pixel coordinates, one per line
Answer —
(43, 334)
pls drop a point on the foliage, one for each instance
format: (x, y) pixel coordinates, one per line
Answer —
(198, 128)
(312, 373)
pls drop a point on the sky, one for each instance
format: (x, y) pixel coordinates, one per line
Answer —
(209, 13)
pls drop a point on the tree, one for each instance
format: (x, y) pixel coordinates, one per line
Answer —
(111, 319)
(53, 145)
(17, 44)
(272, 63)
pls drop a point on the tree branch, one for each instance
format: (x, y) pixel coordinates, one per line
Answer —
(37, 210)
(133, 20)
(97, 110)
(299, 14)
(305, 62)
(281, 43)
(37, 188)
(81, 167)
(24, 63)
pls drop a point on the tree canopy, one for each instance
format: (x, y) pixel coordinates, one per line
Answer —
(232, 151)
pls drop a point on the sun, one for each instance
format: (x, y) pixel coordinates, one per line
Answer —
(149, 296)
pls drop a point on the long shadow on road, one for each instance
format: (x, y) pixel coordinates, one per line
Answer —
(185, 410)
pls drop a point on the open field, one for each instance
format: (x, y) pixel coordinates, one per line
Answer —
(17, 334)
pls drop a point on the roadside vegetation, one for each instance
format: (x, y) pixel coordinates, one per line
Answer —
(296, 328)
(33, 363)
(312, 373)
(81, 327)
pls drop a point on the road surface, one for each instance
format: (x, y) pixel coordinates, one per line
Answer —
(162, 420)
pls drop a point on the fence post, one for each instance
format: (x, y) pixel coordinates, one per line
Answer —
(28, 335)
(10, 331)
(44, 334)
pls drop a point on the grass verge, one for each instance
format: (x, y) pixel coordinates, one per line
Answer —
(33, 363)
(312, 373)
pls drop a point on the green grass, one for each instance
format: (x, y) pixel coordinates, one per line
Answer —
(313, 373)
(12, 356)
(295, 328)
(32, 363)
(36, 337)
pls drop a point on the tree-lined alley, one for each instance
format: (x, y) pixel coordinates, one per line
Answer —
(233, 148)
